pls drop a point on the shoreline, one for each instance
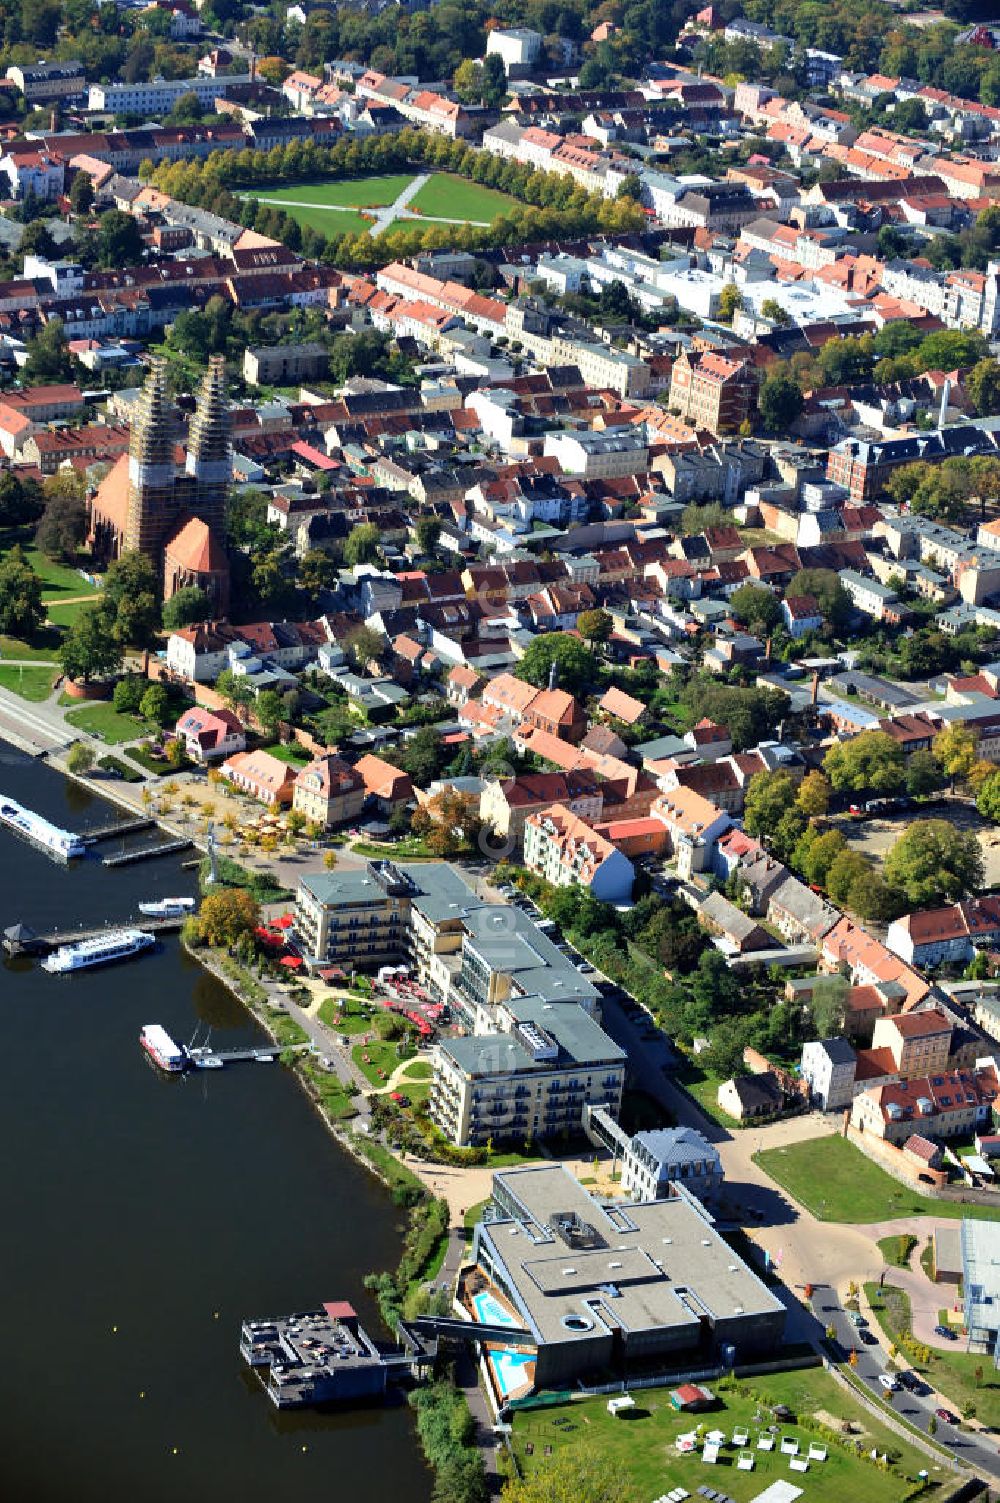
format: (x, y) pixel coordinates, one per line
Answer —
(260, 1012)
(106, 789)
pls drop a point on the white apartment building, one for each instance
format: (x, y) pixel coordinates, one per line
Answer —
(568, 852)
(159, 95)
(829, 1067)
(867, 595)
(528, 1081)
(518, 46)
(599, 455)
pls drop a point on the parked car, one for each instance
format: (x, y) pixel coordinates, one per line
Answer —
(946, 1416)
(910, 1381)
(946, 1332)
(869, 1338)
(889, 1382)
(857, 1319)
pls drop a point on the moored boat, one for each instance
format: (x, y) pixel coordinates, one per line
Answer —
(161, 1048)
(64, 844)
(167, 907)
(102, 949)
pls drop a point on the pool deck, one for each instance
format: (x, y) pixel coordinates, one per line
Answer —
(490, 1309)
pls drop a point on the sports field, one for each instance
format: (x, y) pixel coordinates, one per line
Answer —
(448, 197)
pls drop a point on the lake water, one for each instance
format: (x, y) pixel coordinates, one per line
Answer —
(146, 1216)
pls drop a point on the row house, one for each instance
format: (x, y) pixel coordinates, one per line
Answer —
(869, 962)
(329, 792)
(263, 777)
(946, 935)
(957, 1104)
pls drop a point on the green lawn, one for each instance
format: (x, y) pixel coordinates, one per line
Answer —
(327, 219)
(472, 1215)
(332, 207)
(294, 754)
(897, 1250)
(104, 720)
(641, 1449)
(64, 615)
(57, 579)
(158, 766)
(704, 1087)
(333, 1098)
(342, 193)
(448, 197)
(43, 646)
(30, 683)
(952, 1373)
(834, 1180)
(419, 1070)
(381, 1056)
(349, 1023)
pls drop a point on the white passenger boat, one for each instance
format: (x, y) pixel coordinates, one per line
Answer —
(167, 907)
(41, 832)
(103, 949)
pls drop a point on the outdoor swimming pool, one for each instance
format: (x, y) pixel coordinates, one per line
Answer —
(508, 1366)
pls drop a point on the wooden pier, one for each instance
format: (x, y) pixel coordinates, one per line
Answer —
(147, 852)
(124, 827)
(20, 940)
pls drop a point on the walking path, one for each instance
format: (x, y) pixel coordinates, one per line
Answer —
(385, 216)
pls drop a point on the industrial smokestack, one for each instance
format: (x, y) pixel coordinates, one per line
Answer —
(815, 688)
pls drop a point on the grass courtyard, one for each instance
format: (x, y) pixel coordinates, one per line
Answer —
(834, 1180)
(334, 207)
(641, 1446)
(382, 1056)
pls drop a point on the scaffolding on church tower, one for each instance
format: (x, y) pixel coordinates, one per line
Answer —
(209, 457)
(152, 470)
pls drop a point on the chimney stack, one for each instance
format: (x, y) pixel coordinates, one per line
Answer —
(815, 688)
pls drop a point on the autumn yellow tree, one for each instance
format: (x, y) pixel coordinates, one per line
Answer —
(956, 749)
(448, 821)
(813, 797)
(225, 916)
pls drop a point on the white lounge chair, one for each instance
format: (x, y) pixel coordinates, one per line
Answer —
(740, 1437)
(745, 1461)
(789, 1446)
(765, 1443)
(798, 1464)
(816, 1453)
(710, 1453)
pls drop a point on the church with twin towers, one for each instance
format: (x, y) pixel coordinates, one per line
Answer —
(167, 500)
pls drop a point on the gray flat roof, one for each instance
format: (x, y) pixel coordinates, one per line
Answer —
(581, 1042)
(649, 1266)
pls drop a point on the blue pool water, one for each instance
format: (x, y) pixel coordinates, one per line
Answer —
(508, 1366)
